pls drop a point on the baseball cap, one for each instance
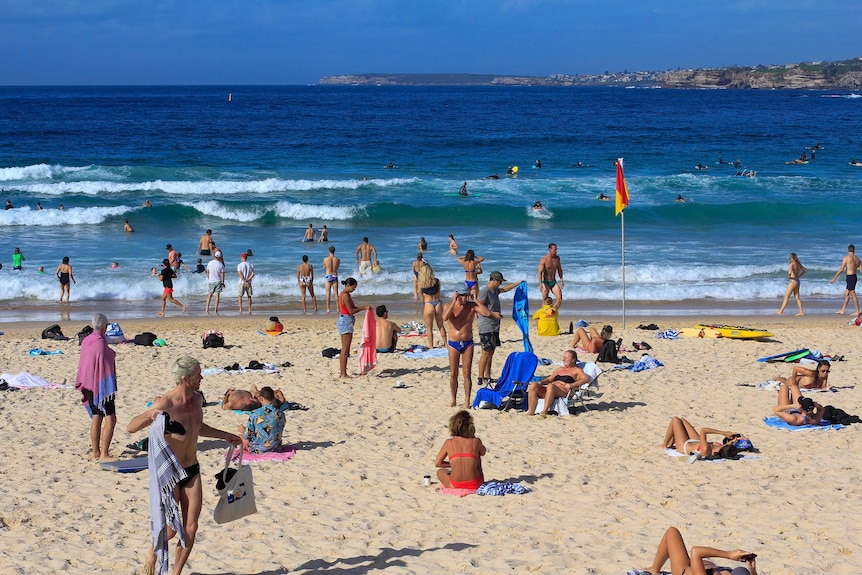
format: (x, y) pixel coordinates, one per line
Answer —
(217, 254)
(243, 255)
(462, 290)
(497, 276)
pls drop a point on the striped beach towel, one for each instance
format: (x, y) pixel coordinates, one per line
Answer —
(165, 472)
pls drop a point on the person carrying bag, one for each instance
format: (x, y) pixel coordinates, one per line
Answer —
(235, 490)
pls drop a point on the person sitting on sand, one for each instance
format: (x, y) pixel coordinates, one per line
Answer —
(592, 341)
(546, 318)
(809, 377)
(682, 436)
(262, 432)
(460, 458)
(558, 384)
(672, 547)
(387, 331)
(794, 409)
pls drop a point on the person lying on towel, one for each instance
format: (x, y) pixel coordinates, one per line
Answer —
(794, 409)
(460, 458)
(242, 400)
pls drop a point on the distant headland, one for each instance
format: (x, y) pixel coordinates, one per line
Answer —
(843, 75)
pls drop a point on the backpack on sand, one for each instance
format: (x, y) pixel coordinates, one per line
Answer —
(608, 353)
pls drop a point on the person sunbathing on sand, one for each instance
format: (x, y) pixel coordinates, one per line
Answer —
(242, 400)
(809, 378)
(460, 458)
(592, 341)
(682, 436)
(558, 384)
(794, 409)
(672, 547)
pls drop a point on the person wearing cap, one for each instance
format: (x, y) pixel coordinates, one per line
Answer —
(460, 313)
(489, 327)
(245, 271)
(206, 244)
(387, 331)
(173, 259)
(215, 277)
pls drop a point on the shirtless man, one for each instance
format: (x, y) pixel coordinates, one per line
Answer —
(850, 263)
(387, 331)
(364, 251)
(309, 234)
(206, 245)
(330, 268)
(549, 268)
(242, 400)
(127, 227)
(305, 279)
(184, 404)
(460, 313)
(173, 258)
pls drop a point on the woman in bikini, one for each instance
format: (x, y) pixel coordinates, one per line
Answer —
(794, 409)
(433, 307)
(453, 245)
(305, 278)
(64, 274)
(672, 547)
(796, 271)
(423, 245)
(809, 378)
(346, 320)
(460, 458)
(417, 263)
(592, 341)
(472, 267)
(558, 384)
(682, 436)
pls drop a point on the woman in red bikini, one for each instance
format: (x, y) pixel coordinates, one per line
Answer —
(460, 458)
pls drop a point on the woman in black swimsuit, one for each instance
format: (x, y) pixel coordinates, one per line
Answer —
(673, 547)
(64, 274)
(558, 384)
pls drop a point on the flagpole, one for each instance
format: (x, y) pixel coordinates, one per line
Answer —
(623, 235)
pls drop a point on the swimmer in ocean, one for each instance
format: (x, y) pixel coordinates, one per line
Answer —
(603, 197)
(679, 199)
(538, 206)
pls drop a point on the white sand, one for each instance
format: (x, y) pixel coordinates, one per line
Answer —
(352, 500)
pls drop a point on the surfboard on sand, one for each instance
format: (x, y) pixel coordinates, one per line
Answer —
(126, 465)
(702, 332)
(738, 332)
(781, 355)
(797, 356)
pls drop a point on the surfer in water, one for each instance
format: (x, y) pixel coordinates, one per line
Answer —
(463, 190)
(493, 177)
(602, 197)
(679, 199)
(538, 206)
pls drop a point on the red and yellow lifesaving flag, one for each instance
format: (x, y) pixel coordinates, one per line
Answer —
(622, 189)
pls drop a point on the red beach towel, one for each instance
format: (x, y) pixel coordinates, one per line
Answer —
(368, 355)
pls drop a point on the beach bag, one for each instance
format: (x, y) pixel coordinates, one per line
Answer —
(84, 333)
(273, 325)
(114, 334)
(235, 491)
(330, 352)
(212, 338)
(608, 353)
(53, 332)
(147, 338)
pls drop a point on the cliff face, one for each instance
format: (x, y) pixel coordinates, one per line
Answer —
(796, 77)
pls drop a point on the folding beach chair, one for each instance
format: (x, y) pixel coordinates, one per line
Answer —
(577, 397)
(512, 385)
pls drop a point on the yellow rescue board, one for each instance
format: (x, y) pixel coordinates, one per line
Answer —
(737, 332)
(699, 332)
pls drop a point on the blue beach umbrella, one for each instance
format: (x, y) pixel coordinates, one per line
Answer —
(521, 314)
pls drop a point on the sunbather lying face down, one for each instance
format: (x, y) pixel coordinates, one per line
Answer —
(672, 547)
(682, 436)
(794, 409)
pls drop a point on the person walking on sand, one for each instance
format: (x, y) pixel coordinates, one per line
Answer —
(851, 264)
(364, 252)
(245, 271)
(167, 276)
(64, 274)
(183, 405)
(215, 277)
(460, 313)
(97, 382)
(549, 268)
(794, 273)
(346, 320)
(206, 244)
(305, 278)
(330, 268)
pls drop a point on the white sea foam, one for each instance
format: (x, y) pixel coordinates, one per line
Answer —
(27, 216)
(296, 211)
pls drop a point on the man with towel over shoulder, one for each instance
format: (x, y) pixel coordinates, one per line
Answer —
(177, 422)
(97, 382)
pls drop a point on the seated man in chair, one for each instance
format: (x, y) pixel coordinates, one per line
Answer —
(558, 384)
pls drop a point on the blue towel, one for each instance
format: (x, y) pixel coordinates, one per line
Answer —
(521, 314)
(436, 352)
(644, 363)
(36, 351)
(777, 422)
(667, 334)
(501, 488)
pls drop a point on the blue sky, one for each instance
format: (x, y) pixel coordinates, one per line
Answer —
(233, 42)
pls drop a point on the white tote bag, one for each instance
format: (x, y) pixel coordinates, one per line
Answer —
(235, 491)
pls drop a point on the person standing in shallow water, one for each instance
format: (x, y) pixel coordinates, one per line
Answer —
(850, 263)
(305, 278)
(64, 275)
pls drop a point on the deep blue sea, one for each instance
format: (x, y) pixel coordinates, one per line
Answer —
(259, 168)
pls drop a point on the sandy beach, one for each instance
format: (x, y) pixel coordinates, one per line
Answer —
(353, 501)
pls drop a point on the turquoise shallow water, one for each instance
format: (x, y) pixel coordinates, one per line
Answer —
(257, 170)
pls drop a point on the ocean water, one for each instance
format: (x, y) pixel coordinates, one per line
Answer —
(259, 168)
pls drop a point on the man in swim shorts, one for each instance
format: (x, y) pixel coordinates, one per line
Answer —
(330, 268)
(206, 244)
(549, 268)
(850, 263)
(97, 382)
(387, 331)
(489, 327)
(183, 404)
(460, 313)
(309, 234)
(364, 251)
